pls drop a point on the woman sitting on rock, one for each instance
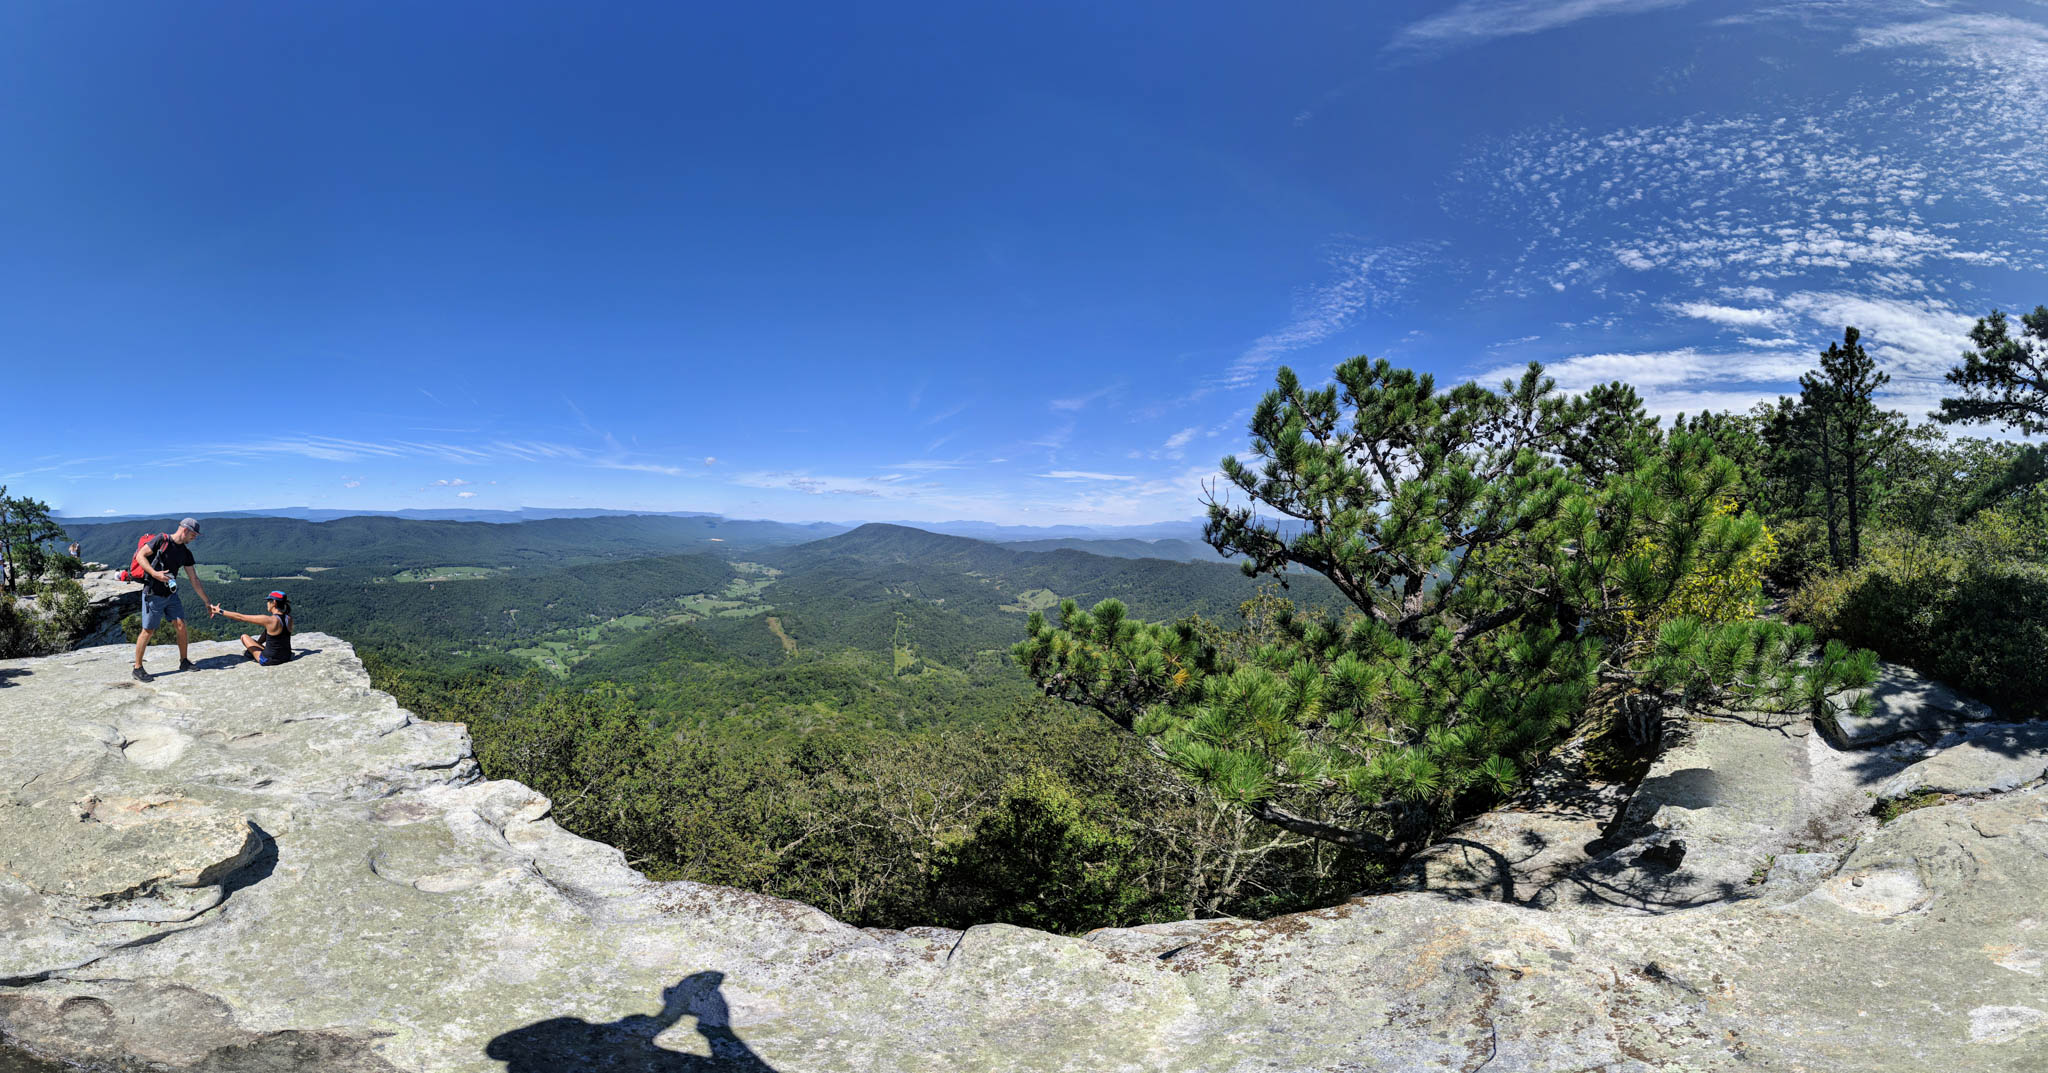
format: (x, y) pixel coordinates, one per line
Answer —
(275, 645)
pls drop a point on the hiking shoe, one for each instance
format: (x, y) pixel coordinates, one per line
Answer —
(187, 665)
(142, 675)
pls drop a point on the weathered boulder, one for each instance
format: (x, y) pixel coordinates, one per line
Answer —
(400, 915)
(1903, 702)
(1985, 759)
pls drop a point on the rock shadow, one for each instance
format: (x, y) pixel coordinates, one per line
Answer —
(9, 674)
(572, 1044)
(257, 870)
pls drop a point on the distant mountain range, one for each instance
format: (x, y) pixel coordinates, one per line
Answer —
(1159, 540)
(451, 514)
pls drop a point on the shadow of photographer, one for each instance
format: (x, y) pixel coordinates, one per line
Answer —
(570, 1044)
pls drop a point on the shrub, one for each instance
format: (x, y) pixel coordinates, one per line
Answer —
(1802, 552)
(1963, 608)
(44, 623)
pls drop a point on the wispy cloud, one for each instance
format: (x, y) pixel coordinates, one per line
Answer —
(1365, 279)
(1080, 402)
(945, 414)
(341, 449)
(1085, 475)
(1476, 21)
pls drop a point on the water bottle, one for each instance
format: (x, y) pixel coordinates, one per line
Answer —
(172, 584)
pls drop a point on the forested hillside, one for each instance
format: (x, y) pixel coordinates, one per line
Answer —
(288, 546)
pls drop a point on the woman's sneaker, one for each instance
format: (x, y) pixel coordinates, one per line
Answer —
(141, 675)
(187, 665)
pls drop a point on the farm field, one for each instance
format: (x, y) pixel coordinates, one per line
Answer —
(449, 573)
(559, 652)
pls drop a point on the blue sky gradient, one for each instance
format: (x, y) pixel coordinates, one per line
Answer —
(1026, 264)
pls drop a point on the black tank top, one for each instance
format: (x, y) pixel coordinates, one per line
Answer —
(277, 647)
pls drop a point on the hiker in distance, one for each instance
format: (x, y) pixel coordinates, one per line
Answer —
(160, 561)
(275, 645)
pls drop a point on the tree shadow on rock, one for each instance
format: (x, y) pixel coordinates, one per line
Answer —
(572, 1044)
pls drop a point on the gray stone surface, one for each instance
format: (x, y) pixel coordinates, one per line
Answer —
(1903, 701)
(1992, 758)
(400, 915)
(111, 600)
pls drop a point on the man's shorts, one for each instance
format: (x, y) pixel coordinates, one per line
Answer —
(155, 609)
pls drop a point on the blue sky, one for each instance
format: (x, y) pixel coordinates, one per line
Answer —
(1029, 264)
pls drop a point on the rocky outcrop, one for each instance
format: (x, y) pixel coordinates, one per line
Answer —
(246, 868)
(111, 600)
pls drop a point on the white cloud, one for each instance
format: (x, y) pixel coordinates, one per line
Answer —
(1085, 475)
(456, 483)
(1915, 341)
(465, 495)
(1366, 279)
(351, 484)
(1080, 402)
(710, 460)
(1727, 315)
(1649, 371)
(1475, 21)
(1181, 439)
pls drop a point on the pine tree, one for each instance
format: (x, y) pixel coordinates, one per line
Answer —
(1493, 585)
(2005, 379)
(26, 530)
(1848, 437)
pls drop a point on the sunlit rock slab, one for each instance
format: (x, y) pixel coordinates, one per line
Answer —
(400, 915)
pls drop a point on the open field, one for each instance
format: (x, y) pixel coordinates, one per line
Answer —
(449, 573)
(560, 651)
(1033, 600)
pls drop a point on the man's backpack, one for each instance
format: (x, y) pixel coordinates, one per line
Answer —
(135, 571)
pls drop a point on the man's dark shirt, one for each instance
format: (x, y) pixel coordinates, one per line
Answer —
(168, 556)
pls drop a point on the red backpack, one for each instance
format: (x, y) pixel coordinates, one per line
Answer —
(135, 571)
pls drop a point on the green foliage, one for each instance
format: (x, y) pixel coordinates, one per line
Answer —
(881, 827)
(1047, 857)
(2005, 378)
(1891, 808)
(1833, 442)
(1493, 584)
(1970, 607)
(45, 622)
(27, 533)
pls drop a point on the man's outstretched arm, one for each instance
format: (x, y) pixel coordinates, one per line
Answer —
(193, 573)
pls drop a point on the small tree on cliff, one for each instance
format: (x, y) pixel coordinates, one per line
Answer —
(1492, 586)
(26, 530)
(2005, 379)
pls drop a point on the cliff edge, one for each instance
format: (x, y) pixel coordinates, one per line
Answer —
(244, 868)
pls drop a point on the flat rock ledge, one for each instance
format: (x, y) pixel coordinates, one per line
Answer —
(242, 869)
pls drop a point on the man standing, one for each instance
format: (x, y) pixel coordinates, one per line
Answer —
(160, 564)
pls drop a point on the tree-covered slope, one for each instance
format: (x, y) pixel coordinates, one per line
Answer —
(286, 546)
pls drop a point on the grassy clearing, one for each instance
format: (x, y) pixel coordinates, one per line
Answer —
(449, 573)
(788, 642)
(1033, 600)
(216, 572)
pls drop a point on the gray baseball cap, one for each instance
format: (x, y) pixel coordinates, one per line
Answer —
(190, 523)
